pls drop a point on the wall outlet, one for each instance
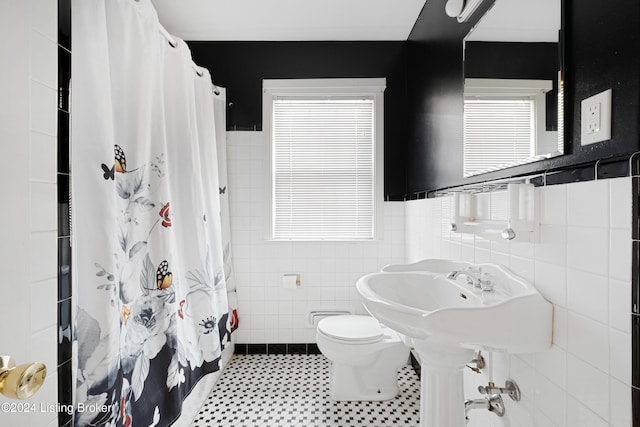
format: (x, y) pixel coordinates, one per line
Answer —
(593, 118)
(596, 118)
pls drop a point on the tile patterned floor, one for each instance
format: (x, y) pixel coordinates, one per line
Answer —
(292, 390)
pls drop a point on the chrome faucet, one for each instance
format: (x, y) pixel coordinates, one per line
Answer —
(475, 277)
(471, 274)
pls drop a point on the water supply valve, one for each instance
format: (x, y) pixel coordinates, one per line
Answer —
(510, 388)
(478, 361)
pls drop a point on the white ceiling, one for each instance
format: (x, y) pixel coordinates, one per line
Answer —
(301, 20)
(285, 20)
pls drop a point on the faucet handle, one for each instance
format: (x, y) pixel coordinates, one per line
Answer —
(485, 282)
(473, 275)
(510, 388)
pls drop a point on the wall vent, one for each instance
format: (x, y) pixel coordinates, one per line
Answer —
(314, 315)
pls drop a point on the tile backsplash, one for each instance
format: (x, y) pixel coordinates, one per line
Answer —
(269, 313)
(582, 264)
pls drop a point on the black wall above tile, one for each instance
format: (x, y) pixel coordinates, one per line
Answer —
(501, 60)
(602, 52)
(241, 66)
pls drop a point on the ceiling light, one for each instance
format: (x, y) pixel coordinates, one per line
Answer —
(462, 9)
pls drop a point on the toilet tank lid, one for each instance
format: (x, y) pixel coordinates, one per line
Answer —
(351, 327)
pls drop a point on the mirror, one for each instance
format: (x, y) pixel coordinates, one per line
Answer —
(513, 110)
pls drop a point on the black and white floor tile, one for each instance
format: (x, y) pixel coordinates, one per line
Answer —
(293, 390)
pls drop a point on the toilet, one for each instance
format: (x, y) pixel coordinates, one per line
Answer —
(365, 357)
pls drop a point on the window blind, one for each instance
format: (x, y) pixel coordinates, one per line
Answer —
(323, 169)
(497, 132)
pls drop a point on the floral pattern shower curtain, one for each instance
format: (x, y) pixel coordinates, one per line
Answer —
(151, 314)
(219, 113)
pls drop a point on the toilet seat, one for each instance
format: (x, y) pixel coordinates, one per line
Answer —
(351, 328)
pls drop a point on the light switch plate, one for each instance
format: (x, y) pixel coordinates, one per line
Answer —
(596, 118)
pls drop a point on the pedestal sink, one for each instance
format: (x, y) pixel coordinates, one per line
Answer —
(448, 319)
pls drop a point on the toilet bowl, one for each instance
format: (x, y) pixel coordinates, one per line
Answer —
(365, 357)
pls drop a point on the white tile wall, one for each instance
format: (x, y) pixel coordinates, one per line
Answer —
(268, 312)
(620, 404)
(582, 264)
(28, 254)
(582, 210)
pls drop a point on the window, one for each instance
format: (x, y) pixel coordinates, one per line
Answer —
(326, 157)
(504, 123)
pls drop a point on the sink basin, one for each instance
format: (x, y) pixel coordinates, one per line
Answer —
(424, 304)
(432, 265)
(447, 319)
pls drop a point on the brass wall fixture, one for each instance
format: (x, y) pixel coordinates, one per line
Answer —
(20, 382)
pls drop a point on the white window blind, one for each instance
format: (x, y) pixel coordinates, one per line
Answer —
(497, 132)
(323, 168)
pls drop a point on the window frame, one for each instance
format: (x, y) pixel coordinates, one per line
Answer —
(325, 89)
(480, 89)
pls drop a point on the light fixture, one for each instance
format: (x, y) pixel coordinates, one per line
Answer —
(462, 9)
(454, 8)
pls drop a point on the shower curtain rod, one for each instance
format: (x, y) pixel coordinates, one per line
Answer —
(196, 68)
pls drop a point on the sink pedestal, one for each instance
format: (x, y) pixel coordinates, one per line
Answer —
(441, 384)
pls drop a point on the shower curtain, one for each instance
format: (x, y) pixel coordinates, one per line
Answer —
(219, 113)
(151, 315)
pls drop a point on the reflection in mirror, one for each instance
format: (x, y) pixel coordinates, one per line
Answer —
(513, 86)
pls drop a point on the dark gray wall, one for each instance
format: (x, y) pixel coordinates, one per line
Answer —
(434, 78)
(241, 66)
(601, 51)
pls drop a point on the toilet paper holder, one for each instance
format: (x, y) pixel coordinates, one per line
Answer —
(291, 280)
(23, 381)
